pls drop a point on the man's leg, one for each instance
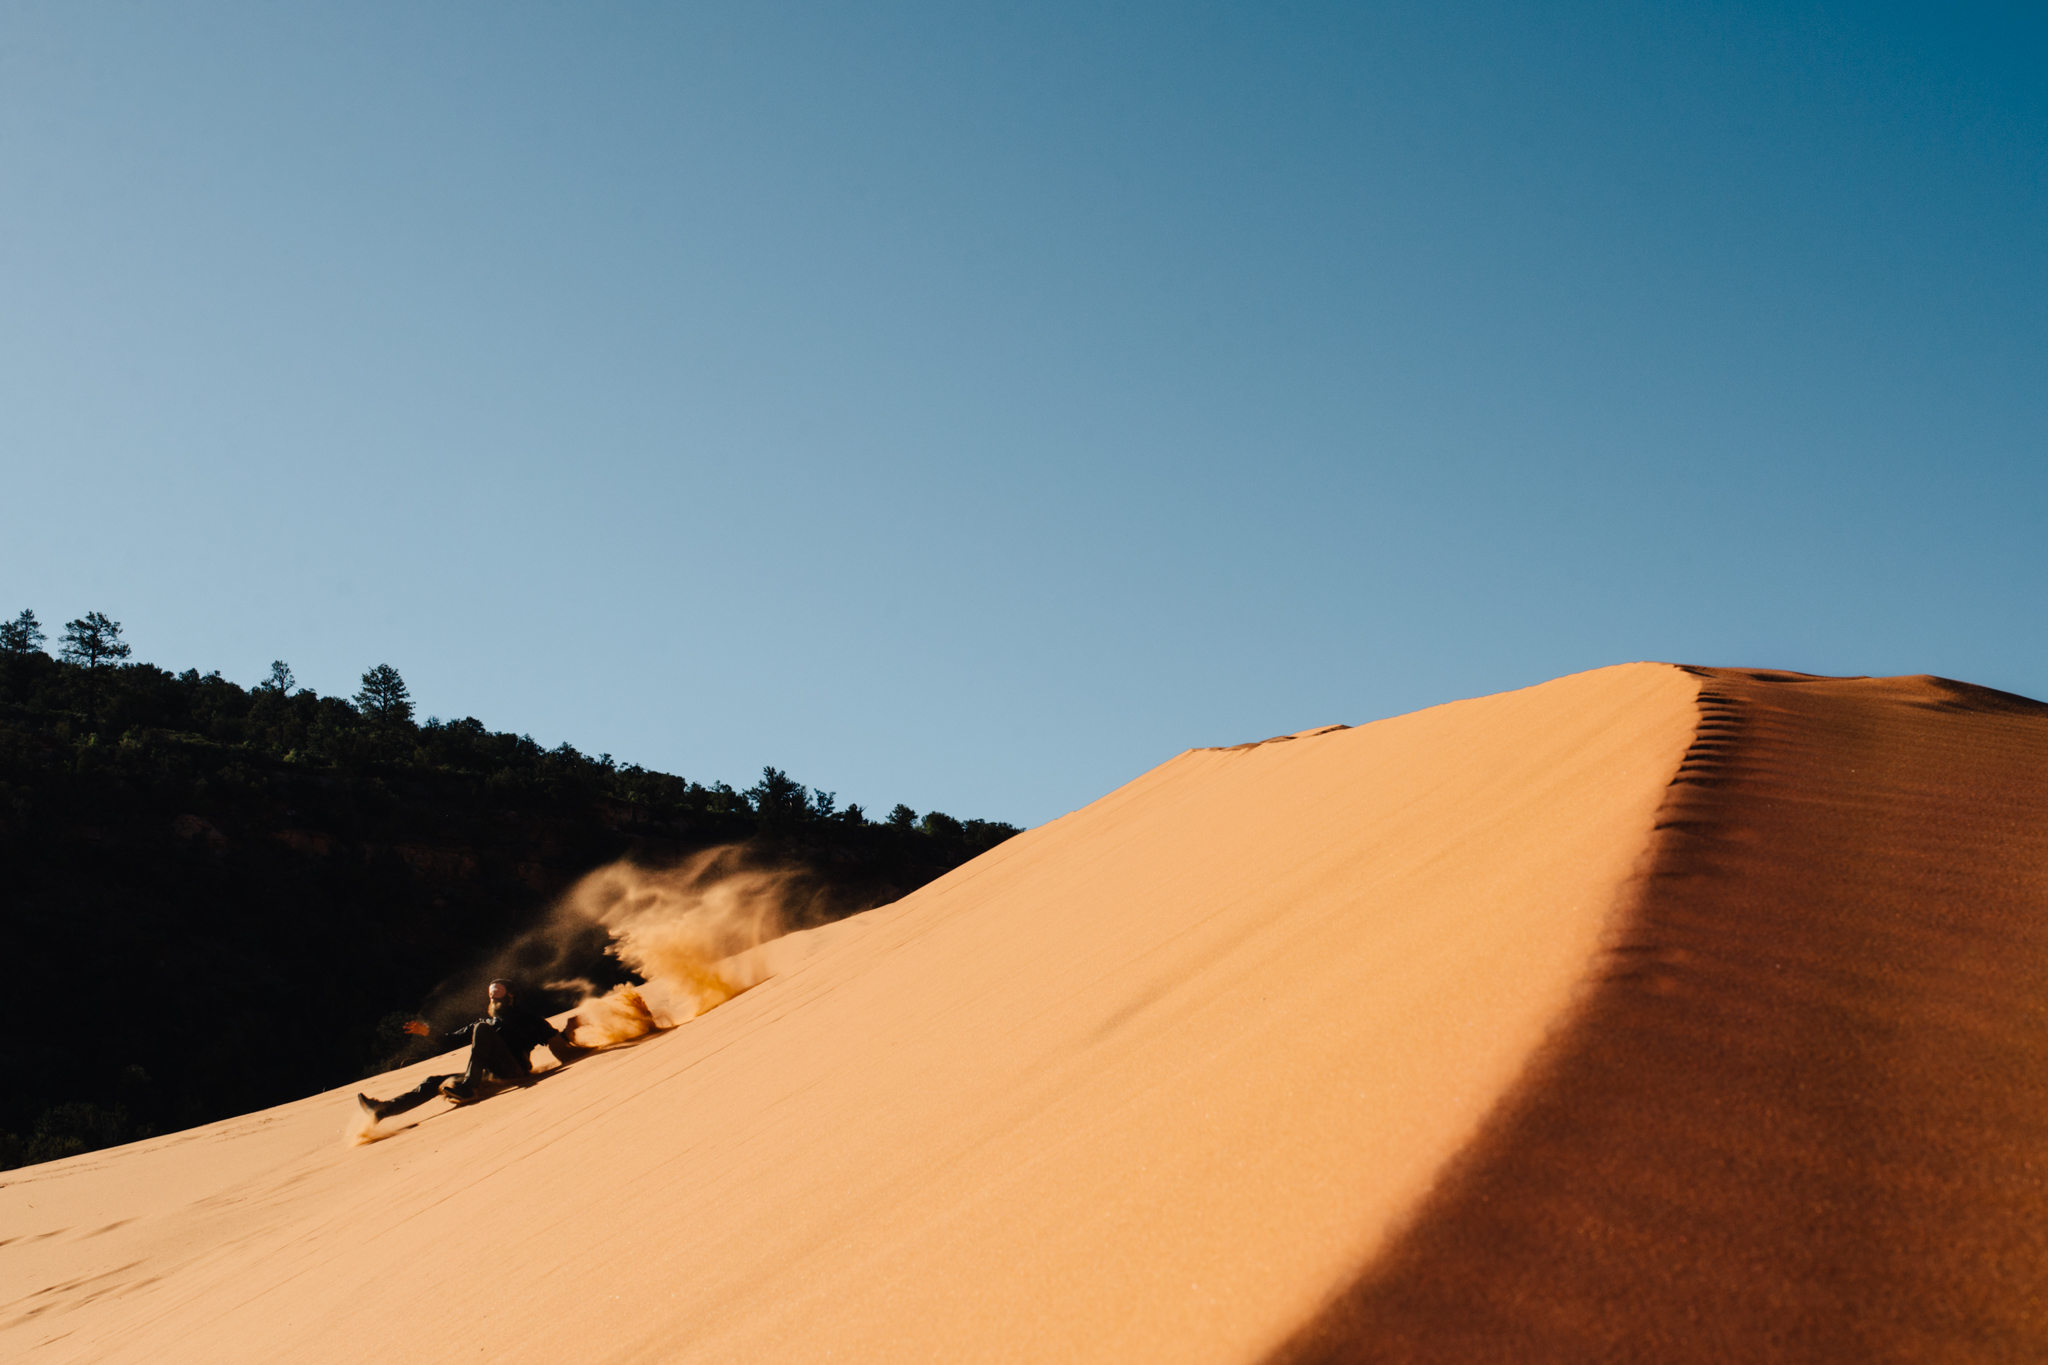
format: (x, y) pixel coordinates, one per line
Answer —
(488, 1054)
(411, 1099)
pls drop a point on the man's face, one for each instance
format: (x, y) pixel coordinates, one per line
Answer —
(500, 997)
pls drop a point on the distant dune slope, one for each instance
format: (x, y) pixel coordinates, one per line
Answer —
(1145, 1083)
(1804, 1116)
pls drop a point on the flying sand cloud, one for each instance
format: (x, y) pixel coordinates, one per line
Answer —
(674, 928)
(681, 930)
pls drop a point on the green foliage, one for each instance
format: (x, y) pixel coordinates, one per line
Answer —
(67, 1130)
(22, 635)
(777, 800)
(384, 698)
(276, 880)
(94, 641)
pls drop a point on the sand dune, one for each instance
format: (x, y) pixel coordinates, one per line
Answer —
(1464, 1035)
(1804, 1115)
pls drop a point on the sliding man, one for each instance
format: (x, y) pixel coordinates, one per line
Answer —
(499, 1045)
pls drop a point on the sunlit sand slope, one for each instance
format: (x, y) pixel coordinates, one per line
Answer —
(1146, 1083)
(1804, 1117)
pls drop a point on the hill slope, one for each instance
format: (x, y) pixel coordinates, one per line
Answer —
(1650, 1013)
(276, 881)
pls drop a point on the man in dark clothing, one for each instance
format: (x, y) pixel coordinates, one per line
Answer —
(500, 1044)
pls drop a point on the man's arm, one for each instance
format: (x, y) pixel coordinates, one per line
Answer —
(563, 1044)
(420, 1028)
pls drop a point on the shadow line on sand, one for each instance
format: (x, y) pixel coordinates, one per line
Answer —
(1801, 1114)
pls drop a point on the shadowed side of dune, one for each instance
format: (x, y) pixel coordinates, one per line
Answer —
(1804, 1116)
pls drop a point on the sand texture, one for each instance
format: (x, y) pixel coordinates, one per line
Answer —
(1144, 1083)
(1650, 1014)
(1804, 1116)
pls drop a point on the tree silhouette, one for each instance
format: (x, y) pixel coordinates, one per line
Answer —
(450, 835)
(384, 697)
(776, 798)
(22, 635)
(93, 640)
(280, 680)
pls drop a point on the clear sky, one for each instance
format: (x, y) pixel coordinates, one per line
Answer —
(974, 405)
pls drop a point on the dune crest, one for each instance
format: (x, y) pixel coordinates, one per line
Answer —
(1803, 1115)
(1144, 1083)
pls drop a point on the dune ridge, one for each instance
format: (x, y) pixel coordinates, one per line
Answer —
(1804, 1115)
(1140, 1084)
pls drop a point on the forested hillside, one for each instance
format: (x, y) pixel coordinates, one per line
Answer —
(216, 898)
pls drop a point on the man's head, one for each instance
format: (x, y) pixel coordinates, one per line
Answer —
(501, 997)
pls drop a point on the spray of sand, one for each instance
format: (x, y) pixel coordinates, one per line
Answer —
(674, 928)
(360, 1128)
(677, 928)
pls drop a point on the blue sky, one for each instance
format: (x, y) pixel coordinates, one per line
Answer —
(972, 406)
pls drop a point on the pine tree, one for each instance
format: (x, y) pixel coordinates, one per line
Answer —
(22, 635)
(384, 697)
(93, 640)
(280, 680)
(776, 798)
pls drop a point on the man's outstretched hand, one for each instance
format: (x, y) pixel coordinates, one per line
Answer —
(417, 1028)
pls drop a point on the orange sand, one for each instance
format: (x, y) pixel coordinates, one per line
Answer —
(1803, 1115)
(1150, 1082)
